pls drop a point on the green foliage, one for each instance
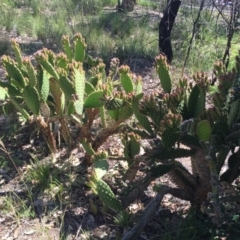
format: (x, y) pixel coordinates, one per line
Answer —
(123, 219)
(17, 207)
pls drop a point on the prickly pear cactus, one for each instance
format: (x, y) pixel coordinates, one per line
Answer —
(204, 131)
(162, 69)
(169, 128)
(105, 193)
(100, 164)
(131, 144)
(126, 79)
(192, 114)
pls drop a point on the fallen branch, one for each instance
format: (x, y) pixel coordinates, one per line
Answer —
(152, 208)
(147, 215)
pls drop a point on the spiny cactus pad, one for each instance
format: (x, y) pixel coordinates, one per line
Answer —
(32, 77)
(100, 163)
(143, 120)
(126, 80)
(67, 86)
(17, 52)
(170, 137)
(95, 100)
(67, 47)
(44, 85)
(105, 194)
(89, 88)
(32, 99)
(47, 65)
(234, 111)
(204, 131)
(79, 47)
(162, 69)
(13, 71)
(78, 78)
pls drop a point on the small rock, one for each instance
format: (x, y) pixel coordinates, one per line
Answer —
(29, 232)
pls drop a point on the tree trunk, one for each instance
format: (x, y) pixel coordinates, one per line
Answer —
(165, 28)
(127, 5)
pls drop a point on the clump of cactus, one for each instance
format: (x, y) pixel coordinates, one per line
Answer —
(192, 121)
(57, 91)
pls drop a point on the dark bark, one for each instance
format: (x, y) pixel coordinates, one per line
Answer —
(165, 28)
(232, 26)
(126, 6)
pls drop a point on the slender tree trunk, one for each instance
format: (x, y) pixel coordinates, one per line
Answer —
(127, 5)
(194, 32)
(232, 26)
(165, 28)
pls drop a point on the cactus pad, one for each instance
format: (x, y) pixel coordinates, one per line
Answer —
(67, 86)
(95, 100)
(105, 194)
(100, 164)
(79, 47)
(162, 69)
(204, 131)
(126, 80)
(44, 85)
(143, 120)
(13, 71)
(32, 99)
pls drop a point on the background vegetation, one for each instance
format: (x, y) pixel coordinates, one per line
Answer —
(110, 33)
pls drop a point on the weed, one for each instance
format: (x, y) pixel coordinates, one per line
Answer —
(16, 207)
(123, 219)
(8, 16)
(43, 175)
